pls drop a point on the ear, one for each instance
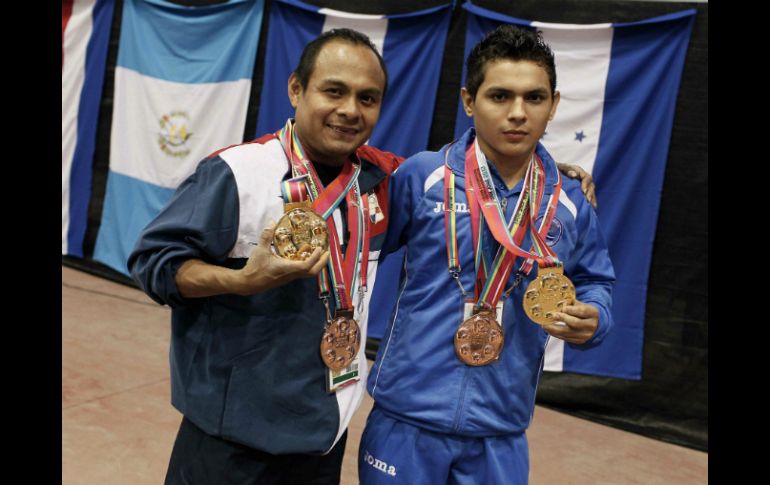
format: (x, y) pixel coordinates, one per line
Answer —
(295, 90)
(467, 102)
(556, 98)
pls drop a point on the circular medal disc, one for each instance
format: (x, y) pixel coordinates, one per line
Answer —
(298, 233)
(479, 340)
(340, 343)
(550, 292)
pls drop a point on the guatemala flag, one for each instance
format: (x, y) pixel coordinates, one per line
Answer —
(182, 85)
(618, 86)
(411, 44)
(85, 35)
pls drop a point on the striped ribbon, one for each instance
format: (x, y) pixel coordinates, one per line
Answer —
(340, 272)
(482, 196)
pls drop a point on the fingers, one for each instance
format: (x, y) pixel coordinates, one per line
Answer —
(563, 332)
(316, 262)
(305, 268)
(586, 181)
(576, 324)
(588, 187)
(589, 192)
(569, 170)
(266, 238)
(580, 310)
(568, 321)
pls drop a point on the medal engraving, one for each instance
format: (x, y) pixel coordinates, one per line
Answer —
(340, 341)
(479, 340)
(299, 232)
(550, 292)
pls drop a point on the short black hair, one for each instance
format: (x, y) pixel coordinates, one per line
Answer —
(508, 42)
(310, 53)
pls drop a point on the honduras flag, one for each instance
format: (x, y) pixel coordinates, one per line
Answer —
(182, 84)
(85, 35)
(411, 45)
(618, 86)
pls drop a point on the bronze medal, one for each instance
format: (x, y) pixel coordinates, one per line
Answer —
(550, 292)
(479, 340)
(299, 232)
(341, 341)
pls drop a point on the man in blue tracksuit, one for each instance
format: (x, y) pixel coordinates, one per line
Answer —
(437, 418)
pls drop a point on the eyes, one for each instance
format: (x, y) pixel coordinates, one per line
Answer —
(336, 93)
(505, 96)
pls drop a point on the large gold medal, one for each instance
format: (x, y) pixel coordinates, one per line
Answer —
(550, 292)
(340, 341)
(299, 232)
(479, 340)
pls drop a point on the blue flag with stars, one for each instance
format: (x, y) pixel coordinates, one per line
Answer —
(618, 85)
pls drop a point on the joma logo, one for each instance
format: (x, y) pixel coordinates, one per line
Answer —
(379, 464)
(459, 207)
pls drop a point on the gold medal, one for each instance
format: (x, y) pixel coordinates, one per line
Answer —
(479, 340)
(299, 232)
(550, 292)
(341, 341)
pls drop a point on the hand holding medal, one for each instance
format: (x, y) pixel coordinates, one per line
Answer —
(264, 270)
(575, 324)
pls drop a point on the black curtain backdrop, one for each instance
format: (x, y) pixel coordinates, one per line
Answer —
(670, 402)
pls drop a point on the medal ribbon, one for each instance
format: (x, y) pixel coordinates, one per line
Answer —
(295, 189)
(538, 237)
(341, 271)
(479, 179)
(480, 193)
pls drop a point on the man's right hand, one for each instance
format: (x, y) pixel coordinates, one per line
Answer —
(265, 270)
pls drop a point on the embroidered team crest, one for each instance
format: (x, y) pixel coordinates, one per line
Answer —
(375, 213)
(174, 133)
(554, 232)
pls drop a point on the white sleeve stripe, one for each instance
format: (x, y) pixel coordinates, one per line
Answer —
(565, 200)
(434, 177)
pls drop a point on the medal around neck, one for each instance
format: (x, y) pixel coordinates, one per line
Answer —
(479, 340)
(340, 341)
(550, 292)
(299, 232)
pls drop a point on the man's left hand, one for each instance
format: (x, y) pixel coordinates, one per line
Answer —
(586, 181)
(576, 324)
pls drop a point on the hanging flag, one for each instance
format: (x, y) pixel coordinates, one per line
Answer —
(411, 44)
(182, 84)
(85, 27)
(618, 85)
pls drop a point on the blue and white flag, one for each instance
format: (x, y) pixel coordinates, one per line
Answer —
(618, 85)
(182, 85)
(85, 37)
(412, 46)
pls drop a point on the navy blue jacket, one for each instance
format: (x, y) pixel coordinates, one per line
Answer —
(248, 368)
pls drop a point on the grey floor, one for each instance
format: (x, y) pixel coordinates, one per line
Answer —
(118, 426)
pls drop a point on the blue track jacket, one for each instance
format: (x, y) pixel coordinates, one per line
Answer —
(417, 377)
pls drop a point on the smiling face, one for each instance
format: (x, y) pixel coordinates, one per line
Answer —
(338, 110)
(511, 110)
